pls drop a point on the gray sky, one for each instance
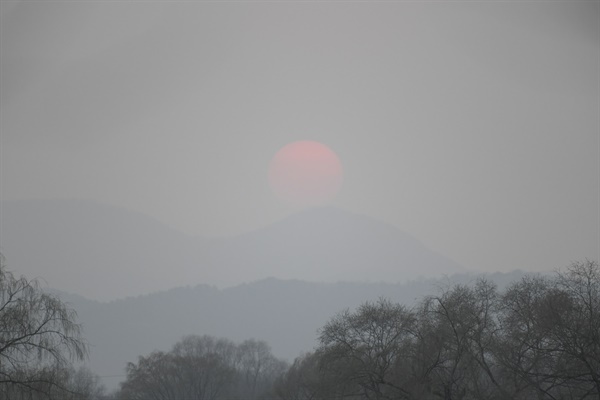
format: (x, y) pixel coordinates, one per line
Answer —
(474, 126)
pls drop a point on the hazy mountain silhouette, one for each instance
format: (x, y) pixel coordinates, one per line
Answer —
(105, 252)
(329, 244)
(287, 314)
(99, 251)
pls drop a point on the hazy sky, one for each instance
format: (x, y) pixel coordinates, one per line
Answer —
(474, 126)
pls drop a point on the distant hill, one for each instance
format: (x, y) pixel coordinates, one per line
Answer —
(99, 251)
(328, 245)
(285, 313)
(102, 252)
(105, 252)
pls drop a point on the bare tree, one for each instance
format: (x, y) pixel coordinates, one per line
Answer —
(39, 337)
(528, 361)
(83, 384)
(258, 368)
(538, 339)
(366, 345)
(456, 331)
(307, 379)
(551, 333)
(578, 325)
(151, 378)
(203, 368)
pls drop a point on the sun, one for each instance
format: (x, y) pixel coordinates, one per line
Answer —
(305, 173)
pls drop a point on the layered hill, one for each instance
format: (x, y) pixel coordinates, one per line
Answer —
(287, 314)
(104, 252)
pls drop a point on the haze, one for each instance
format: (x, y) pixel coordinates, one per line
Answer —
(472, 126)
(136, 139)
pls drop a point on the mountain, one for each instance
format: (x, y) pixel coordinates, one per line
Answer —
(105, 252)
(329, 245)
(287, 314)
(99, 251)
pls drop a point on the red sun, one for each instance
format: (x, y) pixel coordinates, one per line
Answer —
(305, 173)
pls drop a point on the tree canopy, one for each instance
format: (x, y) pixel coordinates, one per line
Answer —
(539, 338)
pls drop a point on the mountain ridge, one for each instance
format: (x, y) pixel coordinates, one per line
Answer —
(106, 252)
(287, 314)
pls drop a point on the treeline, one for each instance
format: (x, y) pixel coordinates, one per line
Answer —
(204, 368)
(537, 339)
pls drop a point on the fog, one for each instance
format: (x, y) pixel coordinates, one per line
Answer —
(105, 253)
(472, 127)
(136, 141)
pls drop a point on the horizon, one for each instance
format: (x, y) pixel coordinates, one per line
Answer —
(472, 126)
(297, 159)
(130, 240)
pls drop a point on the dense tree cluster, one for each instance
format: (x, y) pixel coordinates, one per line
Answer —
(538, 339)
(203, 368)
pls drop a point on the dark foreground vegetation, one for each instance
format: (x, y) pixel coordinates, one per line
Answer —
(39, 342)
(537, 339)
